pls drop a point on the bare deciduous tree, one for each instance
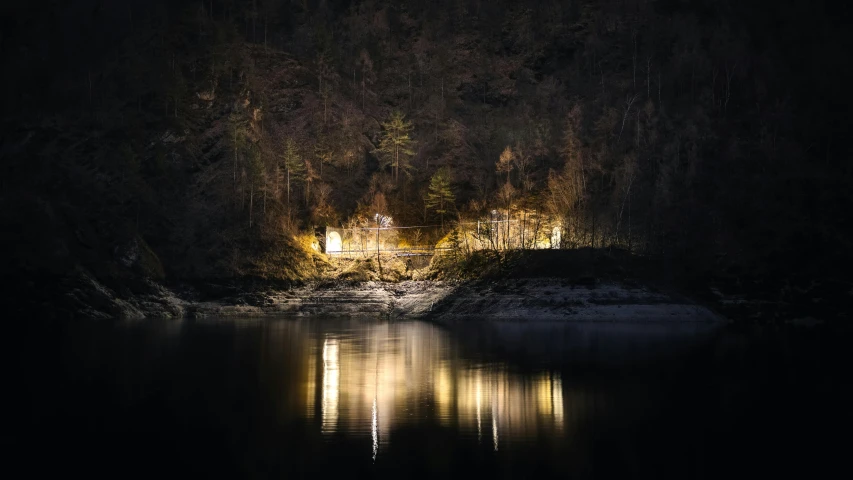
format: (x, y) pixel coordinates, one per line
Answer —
(628, 104)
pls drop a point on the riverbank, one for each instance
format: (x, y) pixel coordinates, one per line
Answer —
(517, 300)
(549, 286)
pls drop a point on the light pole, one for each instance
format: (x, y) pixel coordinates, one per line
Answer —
(378, 261)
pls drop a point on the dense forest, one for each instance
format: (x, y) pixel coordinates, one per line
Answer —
(202, 139)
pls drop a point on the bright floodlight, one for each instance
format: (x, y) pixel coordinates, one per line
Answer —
(333, 242)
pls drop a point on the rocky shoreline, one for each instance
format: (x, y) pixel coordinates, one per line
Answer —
(518, 300)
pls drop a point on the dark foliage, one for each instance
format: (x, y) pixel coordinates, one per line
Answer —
(708, 133)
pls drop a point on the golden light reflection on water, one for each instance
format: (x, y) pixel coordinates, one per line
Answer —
(331, 379)
(389, 375)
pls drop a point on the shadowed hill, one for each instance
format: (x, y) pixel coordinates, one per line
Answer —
(203, 137)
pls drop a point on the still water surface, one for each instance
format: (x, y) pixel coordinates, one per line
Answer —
(285, 398)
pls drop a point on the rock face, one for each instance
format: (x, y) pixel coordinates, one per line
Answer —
(92, 299)
(405, 299)
(515, 300)
(544, 299)
(548, 300)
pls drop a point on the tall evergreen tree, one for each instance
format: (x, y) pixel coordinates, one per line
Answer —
(395, 147)
(439, 197)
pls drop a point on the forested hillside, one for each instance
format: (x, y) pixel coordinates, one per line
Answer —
(199, 139)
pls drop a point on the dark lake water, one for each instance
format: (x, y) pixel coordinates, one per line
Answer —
(322, 398)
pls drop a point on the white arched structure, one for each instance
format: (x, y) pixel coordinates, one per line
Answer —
(333, 242)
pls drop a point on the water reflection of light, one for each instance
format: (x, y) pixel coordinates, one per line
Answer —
(374, 431)
(408, 372)
(479, 419)
(557, 399)
(311, 384)
(331, 381)
(495, 430)
(443, 393)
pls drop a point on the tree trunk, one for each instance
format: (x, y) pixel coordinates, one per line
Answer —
(692, 80)
(378, 260)
(638, 128)
(630, 103)
(635, 59)
(729, 75)
(648, 74)
(592, 240)
(659, 102)
(396, 164)
(629, 225)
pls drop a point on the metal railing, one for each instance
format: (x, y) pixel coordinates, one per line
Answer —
(419, 250)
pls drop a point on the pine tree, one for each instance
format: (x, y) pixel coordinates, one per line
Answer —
(455, 244)
(323, 153)
(395, 147)
(439, 197)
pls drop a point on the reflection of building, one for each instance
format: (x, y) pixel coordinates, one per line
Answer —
(399, 374)
(331, 380)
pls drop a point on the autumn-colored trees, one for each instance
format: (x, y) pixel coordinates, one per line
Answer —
(505, 163)
(566, 190)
